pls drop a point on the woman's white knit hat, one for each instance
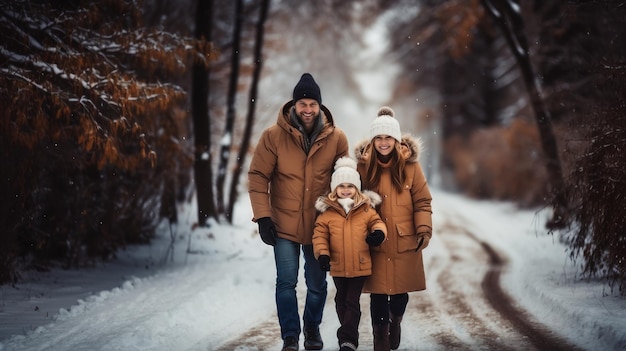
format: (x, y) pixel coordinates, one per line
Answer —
(385, 124)
(345, 172)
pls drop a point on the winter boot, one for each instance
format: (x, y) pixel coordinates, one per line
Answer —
(290, 344)
(394, 332)
(381, 337)
(312, 339)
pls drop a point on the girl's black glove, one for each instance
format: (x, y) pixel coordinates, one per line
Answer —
(324, 261)
(375, 238)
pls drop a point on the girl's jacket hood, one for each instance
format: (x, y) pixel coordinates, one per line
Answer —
(411, 149)
(372, 198)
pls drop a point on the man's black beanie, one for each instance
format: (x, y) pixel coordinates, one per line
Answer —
(307, 88)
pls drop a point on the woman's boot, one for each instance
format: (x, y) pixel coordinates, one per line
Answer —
(394, 332)
(381, 337)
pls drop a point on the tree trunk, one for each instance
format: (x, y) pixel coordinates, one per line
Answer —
(509, 19)
(245, 142)
(227, 139)
(201, 120)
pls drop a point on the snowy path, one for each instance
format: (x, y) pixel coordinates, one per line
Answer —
(464, 307)
(494, 283)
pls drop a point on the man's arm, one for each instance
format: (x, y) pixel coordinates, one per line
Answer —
(260, 175)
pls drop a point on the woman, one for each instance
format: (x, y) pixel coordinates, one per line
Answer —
(388, 164)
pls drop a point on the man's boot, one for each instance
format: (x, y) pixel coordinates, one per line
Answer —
(394, 332)
(381, 337)
(290, 344)
(312, 339)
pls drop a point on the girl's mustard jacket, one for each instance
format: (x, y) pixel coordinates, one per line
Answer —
(342, 236)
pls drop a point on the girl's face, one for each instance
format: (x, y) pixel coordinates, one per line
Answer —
(346, 191)
(384, 144)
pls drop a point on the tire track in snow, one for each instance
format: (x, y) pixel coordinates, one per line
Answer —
(520, 330)
(451, 313)
(540, 336)
(462, 303)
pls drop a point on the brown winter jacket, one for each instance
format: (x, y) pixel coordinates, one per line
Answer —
(284, 181)
(397, 264)
(342, 237)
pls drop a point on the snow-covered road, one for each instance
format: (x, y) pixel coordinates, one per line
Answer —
(464, 307)
(221, 296)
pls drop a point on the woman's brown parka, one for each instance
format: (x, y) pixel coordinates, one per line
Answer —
(284, 181)
(342, 236)
(397, 264)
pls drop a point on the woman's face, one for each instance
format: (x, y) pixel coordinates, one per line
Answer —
(384, 144)
(346, 191)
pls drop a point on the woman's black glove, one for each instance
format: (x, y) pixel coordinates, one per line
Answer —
(324, 261)
(375, 238)
(267, 230)
(422, 242)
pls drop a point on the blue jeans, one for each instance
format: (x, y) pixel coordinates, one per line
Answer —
(287, 257)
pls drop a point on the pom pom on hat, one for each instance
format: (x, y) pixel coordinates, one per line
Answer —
(345, 172)
(307, 88)
(386, 111)
(386, 124)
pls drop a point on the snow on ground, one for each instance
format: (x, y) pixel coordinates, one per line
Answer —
(541, 276)
(201, 300)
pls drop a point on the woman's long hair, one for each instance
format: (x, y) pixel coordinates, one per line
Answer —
(396, 166)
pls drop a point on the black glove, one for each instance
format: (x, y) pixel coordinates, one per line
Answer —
(324, 261)
(375, 238)
(267, 230)
(422, 243)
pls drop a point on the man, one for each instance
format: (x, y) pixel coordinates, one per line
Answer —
(291, 166)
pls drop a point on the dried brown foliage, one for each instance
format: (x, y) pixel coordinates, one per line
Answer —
(85, 111)
(458, 19)
(500, 163)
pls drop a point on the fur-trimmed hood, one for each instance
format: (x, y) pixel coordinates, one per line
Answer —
(411, 149)
(322, 203)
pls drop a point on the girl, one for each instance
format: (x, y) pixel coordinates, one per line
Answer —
(388, 164)
(346, 226)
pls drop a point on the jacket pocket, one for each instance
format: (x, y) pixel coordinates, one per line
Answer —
(286, 214)
(286, 204)
(365, 261)
(407, 237)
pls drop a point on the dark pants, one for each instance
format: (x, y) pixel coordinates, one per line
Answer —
(348, 308)
(382, 305)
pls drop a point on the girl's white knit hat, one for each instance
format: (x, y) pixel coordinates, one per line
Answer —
(345, 172)
(385, 124)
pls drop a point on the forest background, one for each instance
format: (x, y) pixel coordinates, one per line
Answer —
(114, 112)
